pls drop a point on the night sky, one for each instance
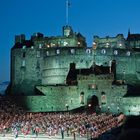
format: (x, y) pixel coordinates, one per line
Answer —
(89, 17)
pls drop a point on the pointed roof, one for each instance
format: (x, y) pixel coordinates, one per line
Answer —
(132, 37)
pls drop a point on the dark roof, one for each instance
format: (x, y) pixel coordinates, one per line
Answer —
(133, 37)
(133, 91)
(27, 43)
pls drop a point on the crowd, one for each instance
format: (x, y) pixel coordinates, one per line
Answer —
(14, 120)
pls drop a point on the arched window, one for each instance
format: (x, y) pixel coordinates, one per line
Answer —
(72, 51)
(128, 53)
(82, 97)
(88, 51)
(115, 52)
(57, 51)
(103, 51)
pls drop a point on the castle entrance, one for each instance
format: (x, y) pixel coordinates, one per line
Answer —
(92, 103)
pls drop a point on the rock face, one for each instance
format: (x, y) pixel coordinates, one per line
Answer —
(61, 73)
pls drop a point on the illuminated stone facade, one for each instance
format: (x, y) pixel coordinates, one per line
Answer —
(61, 73)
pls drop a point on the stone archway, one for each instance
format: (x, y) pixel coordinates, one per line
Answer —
(92, 103)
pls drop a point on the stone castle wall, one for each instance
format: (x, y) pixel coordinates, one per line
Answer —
(43, 68)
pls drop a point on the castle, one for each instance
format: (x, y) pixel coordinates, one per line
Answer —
(61, 73)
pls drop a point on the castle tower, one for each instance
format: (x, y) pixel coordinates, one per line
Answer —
(128, 32)
(67, 31)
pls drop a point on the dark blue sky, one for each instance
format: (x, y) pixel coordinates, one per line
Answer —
(90, 17)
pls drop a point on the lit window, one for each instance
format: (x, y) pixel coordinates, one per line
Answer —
(23, 63)
(107, 45)
(58, 42)
(103, 51)
(24, 47)
(115, 52)
(103, 99)
(57, 51)
(38, 54)
(72, 51)
(32, 47)
(47, 53)
(88, 51)
(65, 43)
(52, 44)
(48, 46)
(128, 53)
(92, 86)
(40, 46)
(94, 45)
(78, 43)
(61, 42)
(120, 45)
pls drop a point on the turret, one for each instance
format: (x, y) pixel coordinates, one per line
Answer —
(67, 31)
(19, 38)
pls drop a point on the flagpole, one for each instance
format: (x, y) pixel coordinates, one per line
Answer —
(67, 12)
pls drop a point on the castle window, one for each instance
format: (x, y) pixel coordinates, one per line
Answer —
(115, 52)
(120, 45)
(92, 86)
(71, 100)
(40, 46)
(128, 53)
(23, 63)
(37, 65)
(103, 99)
(94, 43)
(65, 43)
(47, 53)
(48, 45)
(57, 51)
(78, 43)
(32, 47)
(72, 51)
(88, 51)
(53, 44)
(107, 45)
(24, 47)
(23, 54)
(38, 54)
(58, 43)
(103, 51)
(82, 98)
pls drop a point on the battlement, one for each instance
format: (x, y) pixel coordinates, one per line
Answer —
(68, 39)
(110, 42)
